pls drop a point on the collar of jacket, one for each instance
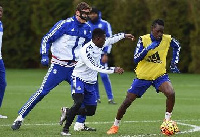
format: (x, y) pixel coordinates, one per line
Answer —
(76, 21)
(153, 38)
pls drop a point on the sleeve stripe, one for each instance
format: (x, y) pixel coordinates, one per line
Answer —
(45, 39)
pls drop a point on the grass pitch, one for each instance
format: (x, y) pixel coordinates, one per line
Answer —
(142, 119)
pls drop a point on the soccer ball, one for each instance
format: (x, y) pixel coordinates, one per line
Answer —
(169, 128)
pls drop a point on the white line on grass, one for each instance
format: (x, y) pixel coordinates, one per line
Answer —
(195, 128)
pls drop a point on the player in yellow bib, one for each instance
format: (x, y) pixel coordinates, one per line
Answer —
(150, 56)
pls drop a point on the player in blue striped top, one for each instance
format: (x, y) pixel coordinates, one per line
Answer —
(65, 40)
(2, 67)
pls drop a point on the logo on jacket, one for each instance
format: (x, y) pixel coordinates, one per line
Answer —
(84, 32)
(78, 88)
(73, 29)
(54, 71)
(155, 58)
(100, 26)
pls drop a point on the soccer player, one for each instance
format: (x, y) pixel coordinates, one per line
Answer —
(150, 56)
(84, 76)
(65, 38)
(2, 67)
(96, 21)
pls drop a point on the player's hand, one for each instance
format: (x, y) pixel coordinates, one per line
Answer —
(119, 70)
(130, 36)
(153, 45)
(174, 68)
(45, 60)
(104, 58)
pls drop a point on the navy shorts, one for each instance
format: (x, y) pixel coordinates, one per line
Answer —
(139, 86)
(79, 86)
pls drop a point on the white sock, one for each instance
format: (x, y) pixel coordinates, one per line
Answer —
(116, 123)
(168, 116)
(19, 118)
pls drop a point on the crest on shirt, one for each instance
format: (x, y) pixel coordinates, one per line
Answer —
(84, 32)
(54, 71)
(78, 88)
(100, 25)
(73, 29)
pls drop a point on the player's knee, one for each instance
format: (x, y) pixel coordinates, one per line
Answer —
(91, 110)
(171, 94)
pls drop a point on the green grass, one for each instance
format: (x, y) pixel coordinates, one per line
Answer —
(142, 118)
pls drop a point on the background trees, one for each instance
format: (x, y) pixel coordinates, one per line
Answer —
(25, 23)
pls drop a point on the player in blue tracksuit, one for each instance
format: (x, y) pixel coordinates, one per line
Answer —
(95, 21)
(65, 40)
(2, 67)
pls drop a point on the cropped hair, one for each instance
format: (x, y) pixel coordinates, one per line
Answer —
(157, 21)
(98, 33)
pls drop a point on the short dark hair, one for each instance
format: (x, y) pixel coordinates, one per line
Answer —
(157, 21)
(83, 6)
(98, 33)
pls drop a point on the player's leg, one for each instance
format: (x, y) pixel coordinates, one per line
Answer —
(138, 88)
(89, 109)
(97, 91)
(73, 111)
(107, 85)
(168, 91)
(88, 99)
(77, 91)
(53, 77)
(2, 84)
(164, 85)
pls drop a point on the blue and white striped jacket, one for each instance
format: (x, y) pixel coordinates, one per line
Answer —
(66, 38)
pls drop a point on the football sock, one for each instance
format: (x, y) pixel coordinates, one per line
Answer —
(116, 123)
(19, 118)
(168, 116)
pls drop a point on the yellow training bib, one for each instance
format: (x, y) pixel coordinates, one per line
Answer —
(154, 63)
